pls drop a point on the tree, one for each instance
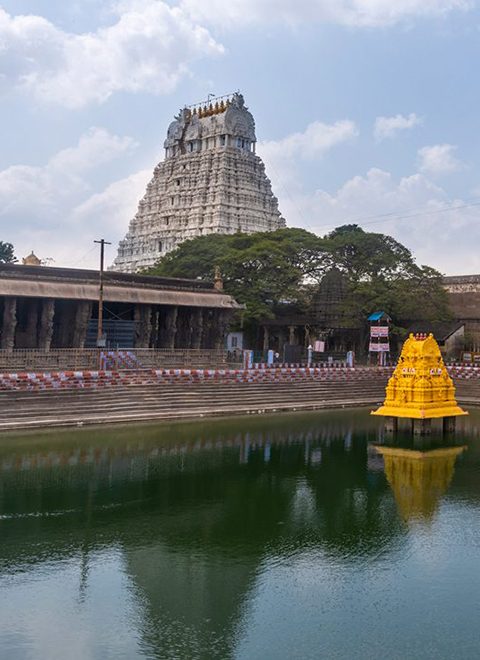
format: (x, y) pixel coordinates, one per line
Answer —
(7, 255)
(289, 270)
(366, 255)
(261, 270)
(382, 274)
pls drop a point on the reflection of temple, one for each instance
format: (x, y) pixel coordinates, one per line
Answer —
(419, 478)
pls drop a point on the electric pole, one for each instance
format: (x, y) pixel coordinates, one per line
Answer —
(102, 242)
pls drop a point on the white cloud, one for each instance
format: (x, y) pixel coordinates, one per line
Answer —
(281, 157)
(358, 13)
(55, 210)
(115, 205)
(438, 159)
(388, 127)
(148, 48)
(438, 229)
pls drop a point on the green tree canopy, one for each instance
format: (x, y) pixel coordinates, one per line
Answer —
(7, 255)
(261, 270)
(284, 269)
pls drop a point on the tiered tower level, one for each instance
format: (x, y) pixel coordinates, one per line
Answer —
(211, 181)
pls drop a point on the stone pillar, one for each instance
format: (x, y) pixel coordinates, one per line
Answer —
(45, 331)
(207, 339)
(266, 338)
(220, 326)
(154, 328)
(449, 424)
(9, 323)
(83, 315)
(196, 319)
(422, 426)
(391, 424)
(291, 334)
(143, 325)
(170, 327)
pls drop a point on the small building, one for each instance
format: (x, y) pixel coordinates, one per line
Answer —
(464, 299)
(45, 307)
(31, 260)
(450, 335)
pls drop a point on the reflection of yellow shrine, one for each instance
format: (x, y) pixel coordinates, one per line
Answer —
(419, 478)
(420, 387)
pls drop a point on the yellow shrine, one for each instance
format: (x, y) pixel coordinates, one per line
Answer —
(420, 387)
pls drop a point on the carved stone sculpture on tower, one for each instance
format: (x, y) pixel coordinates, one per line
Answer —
(211, 181)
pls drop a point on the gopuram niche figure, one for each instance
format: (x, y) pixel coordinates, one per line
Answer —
(211, 182)
(420, 388)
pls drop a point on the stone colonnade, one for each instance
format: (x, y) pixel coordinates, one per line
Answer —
(180, 327)
(45, 323)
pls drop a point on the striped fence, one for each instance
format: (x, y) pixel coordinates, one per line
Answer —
(87, 379)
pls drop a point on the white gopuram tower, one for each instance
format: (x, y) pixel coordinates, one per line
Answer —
(211, 181)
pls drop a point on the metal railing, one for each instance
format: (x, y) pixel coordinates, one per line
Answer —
(73, 359)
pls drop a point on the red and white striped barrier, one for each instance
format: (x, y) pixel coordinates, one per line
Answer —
(58, 380)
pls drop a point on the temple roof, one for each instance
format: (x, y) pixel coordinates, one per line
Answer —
(80, 284)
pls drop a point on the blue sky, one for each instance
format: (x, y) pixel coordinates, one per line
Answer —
(366, 111)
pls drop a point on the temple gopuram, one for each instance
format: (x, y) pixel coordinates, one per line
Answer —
(210, 182)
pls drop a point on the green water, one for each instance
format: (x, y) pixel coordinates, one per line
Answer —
(269, 538)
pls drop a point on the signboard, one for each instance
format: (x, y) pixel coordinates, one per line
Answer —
(379, 331)
(380, 347)
(319, 346)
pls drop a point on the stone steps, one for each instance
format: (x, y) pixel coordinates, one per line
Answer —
(162, 401)
(140, 403)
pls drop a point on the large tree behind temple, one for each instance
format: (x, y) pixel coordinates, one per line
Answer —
(381, 274)
(280, 272)
(263, 270)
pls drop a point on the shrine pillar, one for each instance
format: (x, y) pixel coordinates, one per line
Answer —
(143, 325)
(83, 314)
(197, 330)
(45, 330)
(170, 327)
(9, 323)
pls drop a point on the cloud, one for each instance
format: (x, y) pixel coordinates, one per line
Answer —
(55, 210)
(388, 127)
(438, 159)
(356, 13)
(420, 214)
(283, 156)
(115, 205)
(148, 48)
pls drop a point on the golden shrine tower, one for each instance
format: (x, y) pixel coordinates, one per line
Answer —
(420, 387)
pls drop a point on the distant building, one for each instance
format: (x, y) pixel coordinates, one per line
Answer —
(211, 182)
(31, 260)
(464, 299)
(43, 307)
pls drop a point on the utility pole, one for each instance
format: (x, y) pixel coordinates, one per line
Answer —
(102, 242)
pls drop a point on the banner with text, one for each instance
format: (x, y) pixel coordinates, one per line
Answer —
(379, 331)
(380, 347)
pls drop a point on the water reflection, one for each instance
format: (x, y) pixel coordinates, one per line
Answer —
(183, 529)
(419, 478)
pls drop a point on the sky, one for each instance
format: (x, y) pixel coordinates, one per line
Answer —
(366, 112)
